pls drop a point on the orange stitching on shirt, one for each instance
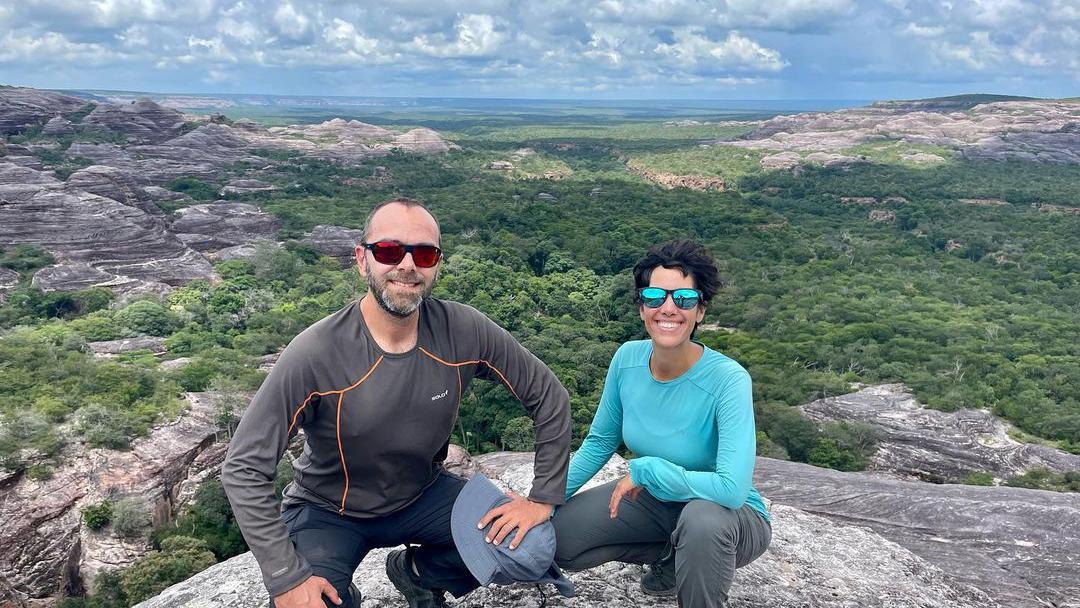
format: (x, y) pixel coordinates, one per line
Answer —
(344, 468)
(490, 366)
(296, 416)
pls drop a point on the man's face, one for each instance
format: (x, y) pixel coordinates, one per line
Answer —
(399, 288)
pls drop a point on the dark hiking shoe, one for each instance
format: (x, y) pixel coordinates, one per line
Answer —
(354, 599)
(399, 571)
(659, 579)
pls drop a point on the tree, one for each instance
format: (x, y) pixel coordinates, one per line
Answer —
(518, 434)
(180, 558)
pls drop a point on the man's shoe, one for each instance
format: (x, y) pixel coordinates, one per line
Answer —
(659, 579)
(399, 571)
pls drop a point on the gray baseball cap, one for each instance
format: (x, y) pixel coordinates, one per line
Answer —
(533, 561)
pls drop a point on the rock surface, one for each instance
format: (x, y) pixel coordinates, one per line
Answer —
(812, 562)
(1021, 547)
(22, 108)
(920, 443)
(220, 225)
(1038, 131)
(335, 241)
(141, 122)
(126, 345)
(96, 240)
(114, 183)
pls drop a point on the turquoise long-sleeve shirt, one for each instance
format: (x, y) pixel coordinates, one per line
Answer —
(694, 436)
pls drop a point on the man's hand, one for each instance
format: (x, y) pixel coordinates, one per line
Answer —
(520, 513)
(624, 489)
(308, 594)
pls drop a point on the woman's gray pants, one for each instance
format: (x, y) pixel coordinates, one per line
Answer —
(710, 540)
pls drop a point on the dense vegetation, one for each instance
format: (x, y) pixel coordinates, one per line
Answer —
(970, 306)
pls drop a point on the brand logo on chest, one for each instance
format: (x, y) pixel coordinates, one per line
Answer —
(440, 395)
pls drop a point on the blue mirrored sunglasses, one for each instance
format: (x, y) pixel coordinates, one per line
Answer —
(653, 297)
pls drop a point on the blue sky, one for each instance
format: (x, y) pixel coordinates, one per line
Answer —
(616, 49)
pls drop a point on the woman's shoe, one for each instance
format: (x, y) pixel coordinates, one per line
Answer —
(659, 579)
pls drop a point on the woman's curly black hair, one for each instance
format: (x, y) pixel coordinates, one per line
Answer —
(690, 257)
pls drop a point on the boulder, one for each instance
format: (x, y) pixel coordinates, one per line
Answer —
(882, 215)
(335, 241)
(219, 225)
(247, 186)
(423, 141)
(58, 126)
(926, 444)
(23, 108)
(126, 345)
(812, 562)
(141, 122)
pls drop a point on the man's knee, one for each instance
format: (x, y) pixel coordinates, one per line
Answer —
(706, 523)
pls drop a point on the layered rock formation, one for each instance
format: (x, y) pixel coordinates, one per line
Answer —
(812, 562)
(335, 241)
(920, 443)
(1038, 131)
(96, 240)
(140, 122)
(46, 550)
(219, 225)
(22, 108)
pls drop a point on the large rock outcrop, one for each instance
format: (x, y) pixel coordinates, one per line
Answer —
(335, 241)
(1034, 130)
(220, 225)
(920, 443)
(114, 183)
(1020, 546)
(47, 551)
(23, 108)
(140, 122)
(96, 240)
(812, 562)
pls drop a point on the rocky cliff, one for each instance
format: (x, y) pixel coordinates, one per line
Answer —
(46, 550)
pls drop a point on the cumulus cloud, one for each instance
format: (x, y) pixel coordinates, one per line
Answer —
(734, 52)
(553, 47)
(473, 36)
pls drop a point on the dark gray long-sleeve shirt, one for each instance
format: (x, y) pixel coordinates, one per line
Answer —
(376, 424)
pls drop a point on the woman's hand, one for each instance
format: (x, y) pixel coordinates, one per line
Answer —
(625, 488)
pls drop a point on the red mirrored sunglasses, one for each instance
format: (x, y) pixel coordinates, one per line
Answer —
(390, 253)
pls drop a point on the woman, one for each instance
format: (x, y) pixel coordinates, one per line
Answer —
(685, 411)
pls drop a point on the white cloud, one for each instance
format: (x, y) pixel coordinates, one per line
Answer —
(343, 36)
(692, 48)
(55, 47)
(923, 31)
(291, 23)
(476, 36)
(978, 53)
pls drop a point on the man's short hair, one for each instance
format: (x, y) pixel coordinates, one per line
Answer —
(408, 202)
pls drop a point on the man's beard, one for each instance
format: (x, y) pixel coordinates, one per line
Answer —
(400, 306)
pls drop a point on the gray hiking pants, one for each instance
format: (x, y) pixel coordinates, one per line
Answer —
(710, 540)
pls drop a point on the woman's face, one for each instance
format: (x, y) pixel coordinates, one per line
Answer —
(670, 326)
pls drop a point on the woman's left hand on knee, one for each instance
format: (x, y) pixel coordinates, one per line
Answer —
(625, 488)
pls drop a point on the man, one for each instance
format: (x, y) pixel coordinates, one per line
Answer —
(376, 388)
